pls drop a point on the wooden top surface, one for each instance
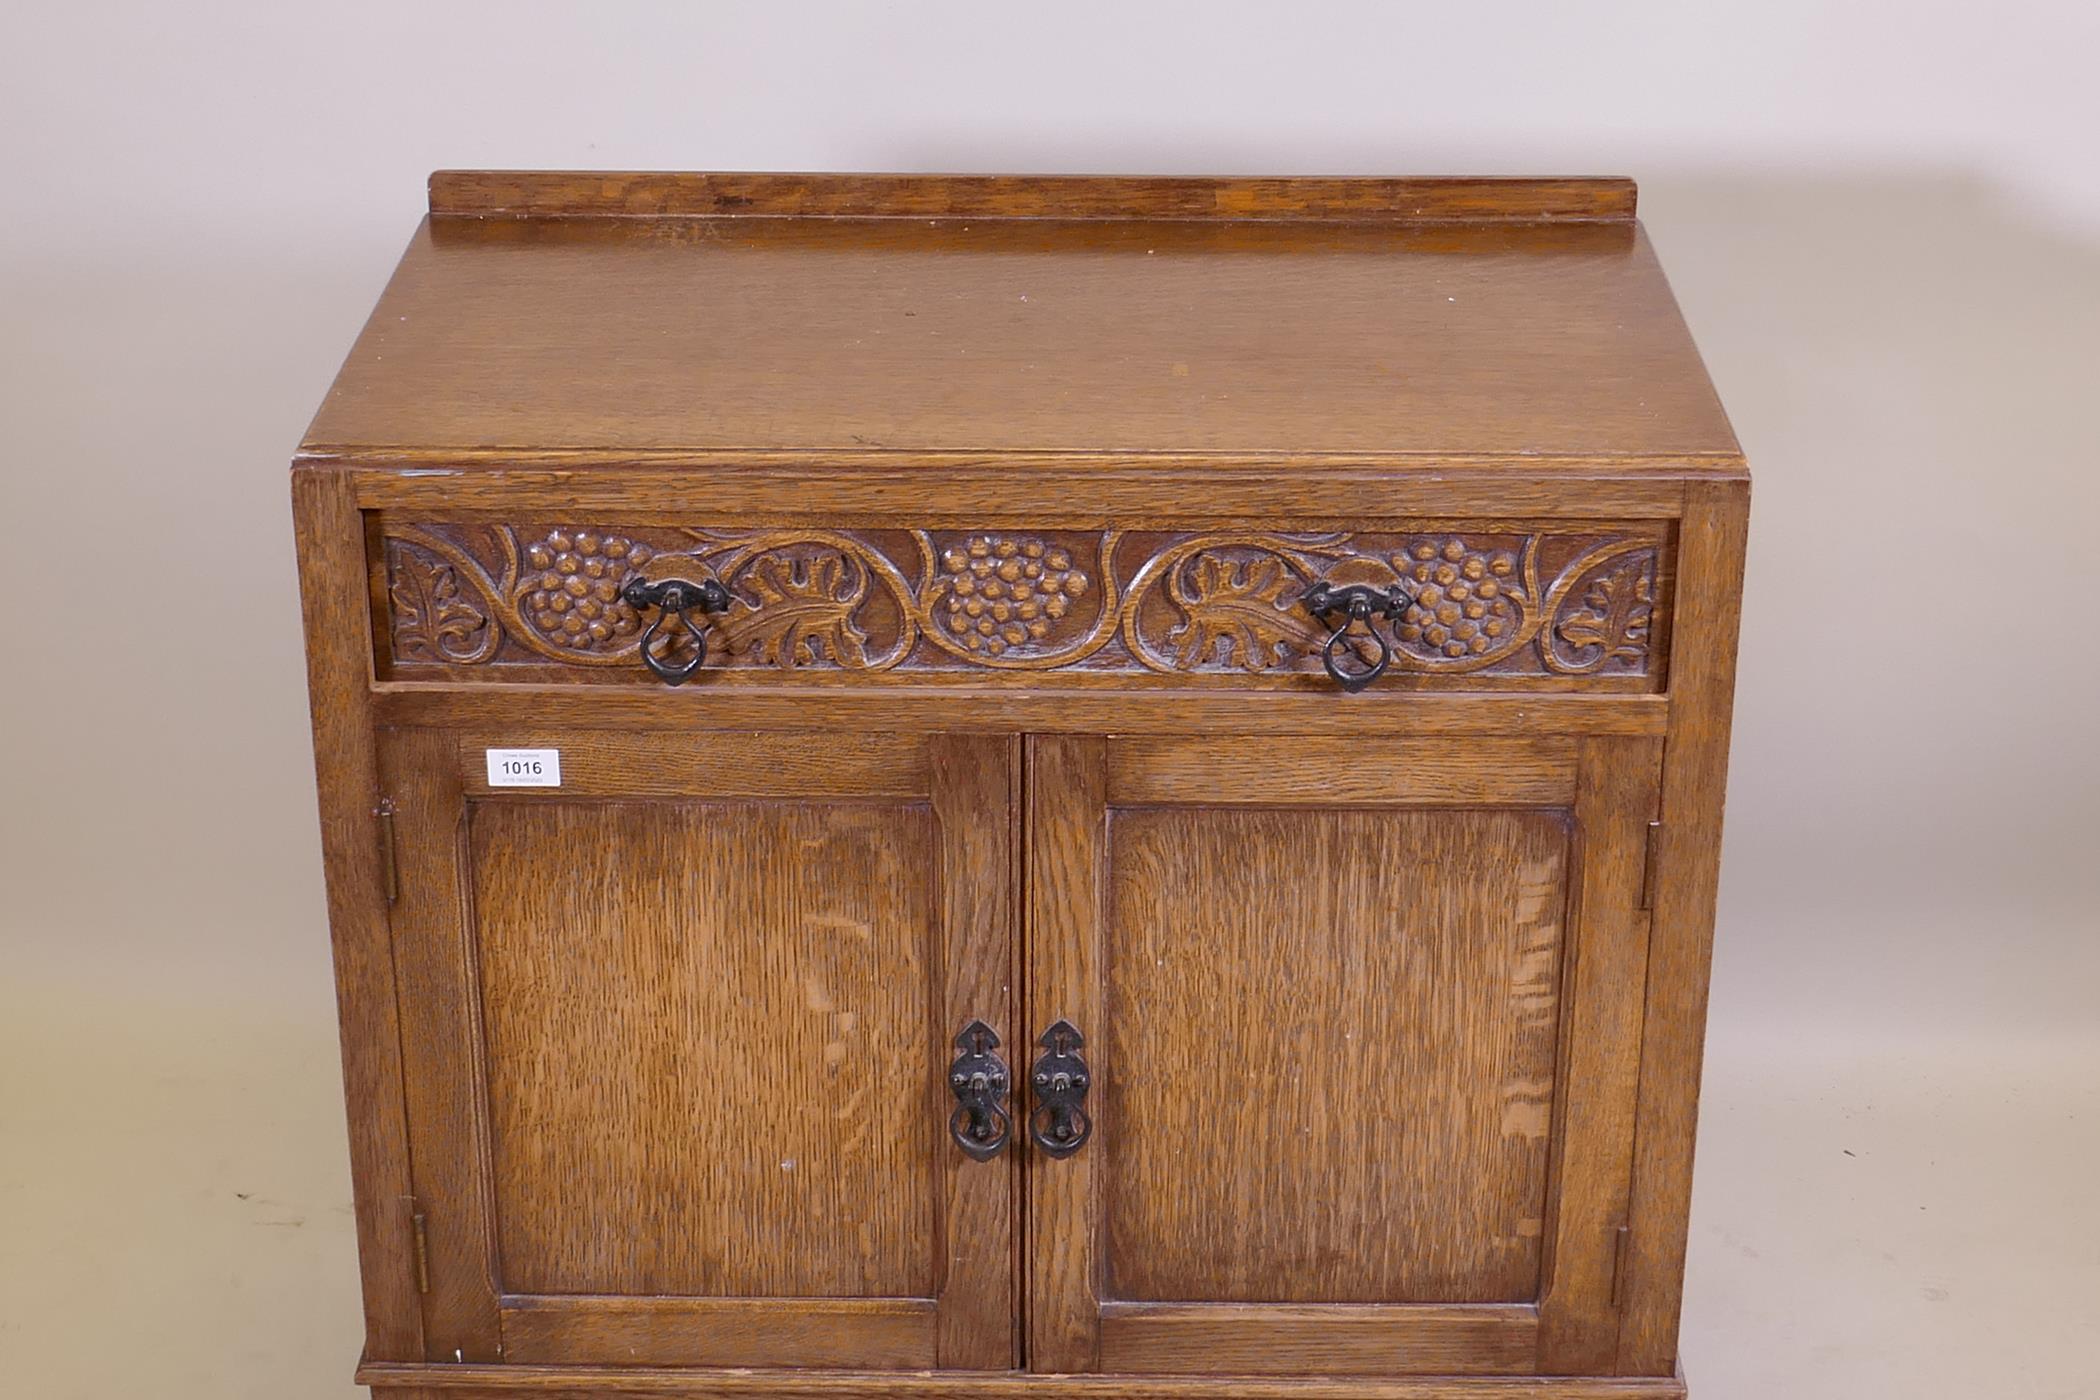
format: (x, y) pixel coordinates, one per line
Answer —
(851, 315)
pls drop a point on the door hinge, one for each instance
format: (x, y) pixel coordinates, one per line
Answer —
(1648, 863)
(1618, 1265)
(422, 1253)
(389, 867)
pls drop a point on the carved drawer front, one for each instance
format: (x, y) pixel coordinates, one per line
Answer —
(1441, 605)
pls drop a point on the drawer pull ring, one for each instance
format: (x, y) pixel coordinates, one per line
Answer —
(980, 1124)
(1059, 1125)
(1353, 604)
(675, 598)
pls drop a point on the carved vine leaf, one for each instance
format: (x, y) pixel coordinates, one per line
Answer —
(433, 620)
(804, 612)
(1241, 604)
(1612, 623)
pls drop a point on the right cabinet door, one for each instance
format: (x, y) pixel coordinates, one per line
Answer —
(1361, 1023)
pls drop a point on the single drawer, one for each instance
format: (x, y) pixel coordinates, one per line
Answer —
(1419, 604)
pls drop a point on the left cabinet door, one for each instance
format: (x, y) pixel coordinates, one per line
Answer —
(677, 1037)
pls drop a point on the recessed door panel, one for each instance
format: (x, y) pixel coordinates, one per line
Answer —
(697, 1018)
(1332, 1035)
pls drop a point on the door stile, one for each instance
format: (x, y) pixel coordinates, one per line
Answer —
(437, 970)
(1020, 782)
(972, 790)
(1605, 977)
(1067, 855)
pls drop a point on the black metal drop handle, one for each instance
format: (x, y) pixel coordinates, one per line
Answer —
(980, 1124)
(1353, 604)
(674, 598)
(1059, 1125)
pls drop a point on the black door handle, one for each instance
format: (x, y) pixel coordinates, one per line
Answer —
(674, 598)
(1059, 1125)
(1355, 604)
(980, 1124)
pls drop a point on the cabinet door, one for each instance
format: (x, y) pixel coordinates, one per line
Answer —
(1361, 1022)
(677, 1036)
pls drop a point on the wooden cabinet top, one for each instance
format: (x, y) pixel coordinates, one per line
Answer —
(624, 316)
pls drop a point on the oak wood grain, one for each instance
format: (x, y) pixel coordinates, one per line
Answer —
(1066, 844)
(749, 194)
(1605, 974)
(1681, 941)
(601, 1331)
(1281, 1340)
(611, 763)
(1060, 490)
(1309, 771)
(1042, 710)
(1329, 1046)
(331, 544)
(619, 336)
(974, 788)
(569, 1383)
(708, 1036)
(444, 1060)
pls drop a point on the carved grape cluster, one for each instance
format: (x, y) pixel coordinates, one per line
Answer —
(1464, 598)
(572, 592)
(1005, 593)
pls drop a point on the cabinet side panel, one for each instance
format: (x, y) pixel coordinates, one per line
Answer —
(1687, 877)
(338, 663)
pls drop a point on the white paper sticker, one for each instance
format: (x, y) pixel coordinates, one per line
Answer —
(524, 767)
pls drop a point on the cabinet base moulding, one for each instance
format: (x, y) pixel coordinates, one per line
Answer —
(411, 1381)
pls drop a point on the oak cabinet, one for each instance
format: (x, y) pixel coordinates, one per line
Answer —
(1151, 835)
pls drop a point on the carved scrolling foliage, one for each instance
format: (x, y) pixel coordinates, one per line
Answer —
(433, 620)
(1497, 600)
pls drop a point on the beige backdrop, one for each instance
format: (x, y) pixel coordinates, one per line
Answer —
(1883, 222)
